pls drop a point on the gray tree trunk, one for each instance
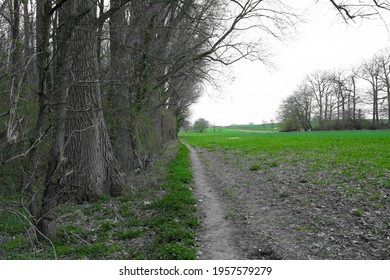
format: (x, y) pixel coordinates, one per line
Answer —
(87, 148)
(118, 99)
(45, 217)
(82, 164)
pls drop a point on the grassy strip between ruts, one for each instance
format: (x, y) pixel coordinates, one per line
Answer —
(155, 219)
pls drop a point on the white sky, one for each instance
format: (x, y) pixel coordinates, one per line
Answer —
(323, 42)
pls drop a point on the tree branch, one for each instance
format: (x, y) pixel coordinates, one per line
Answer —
(56, 7)
(103, 17)
(341, 8)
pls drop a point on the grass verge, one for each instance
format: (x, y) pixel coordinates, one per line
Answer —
(154, 219)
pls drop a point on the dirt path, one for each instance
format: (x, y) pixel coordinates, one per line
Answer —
(281, 211)
(217, 235)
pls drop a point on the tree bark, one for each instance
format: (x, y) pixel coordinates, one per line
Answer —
(28, 51)
(81, 164)
(44, 217)
(118, 97)
(90, 163)
(15, 62)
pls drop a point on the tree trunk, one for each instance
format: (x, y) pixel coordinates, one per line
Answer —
(81, 164)
(387, 84)
(374, 101)
(15, 62)
(28, 51)
(118, 98)
(354, 99)
(90, 163)
(45, 217)
(388, 105)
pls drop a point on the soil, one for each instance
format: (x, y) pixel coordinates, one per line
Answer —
(217, 236)
(276, 213)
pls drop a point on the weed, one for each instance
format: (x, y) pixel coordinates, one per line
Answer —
(15, 245)
(352, 190)
(377, 205)
(226, 159)
(135, 222)
(229, 192)
(125, 210)
(375, 196)
(72, 231)
(96, 250)
(254, 167)
(175, 251)
(106, 226)
(358, 212)
(127, 234)
(322, 194)
(93, 208)
(12, 222)
(176, 233)
(104, 198)
(273, 164)
(231, 214)
(306, 228)
(320, 219)
(284, 195)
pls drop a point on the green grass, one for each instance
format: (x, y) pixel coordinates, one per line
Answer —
(305, 228)
(175, 220)
(254, 167)
(357, 212)
(355, 163)
(255, 127)
(229, 192)
(362, 153)
(157, 221)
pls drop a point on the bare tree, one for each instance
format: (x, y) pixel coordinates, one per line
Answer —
(81, 164)
(353, 9)
(353, 97)
(371, 73)
(321, 89)
(384, 64)
(295, 111)
(152, 67)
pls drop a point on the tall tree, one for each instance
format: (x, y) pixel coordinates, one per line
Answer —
(87, 146)
(353, 98)
(371, 74)
(118, 97)
(82, 163)
(384, 64)
(320, 87)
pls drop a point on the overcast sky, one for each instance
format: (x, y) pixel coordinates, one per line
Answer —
(323, 42)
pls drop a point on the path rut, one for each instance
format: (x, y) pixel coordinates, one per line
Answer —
(216, 239)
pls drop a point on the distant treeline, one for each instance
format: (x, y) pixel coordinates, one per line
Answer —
(341, 99)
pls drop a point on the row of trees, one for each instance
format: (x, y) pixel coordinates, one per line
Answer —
(341, 99)
(91, 89)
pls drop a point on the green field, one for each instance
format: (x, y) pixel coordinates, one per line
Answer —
(324, 194)
(355, 161)
(255, 127)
